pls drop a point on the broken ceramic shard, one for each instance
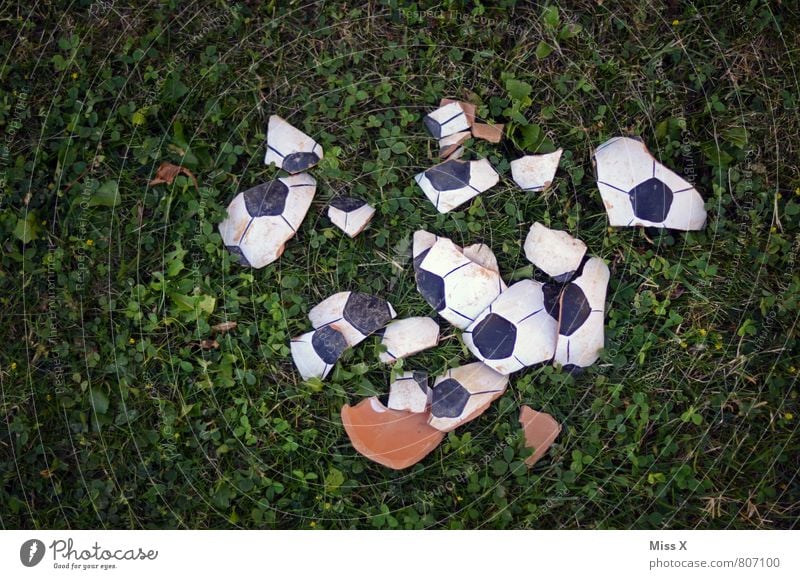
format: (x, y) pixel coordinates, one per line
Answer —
(638, 190)
(555, 252)
(261, 220)
(581, 313)
(455, 286)
(463, 394)
(350, 214)
(447, 120)
(468, 108)
(315, 353)
(410, 392)
(402, 338)
(450, 144)
(290, 148)
(393, 438)
(515, 331)
(491, 133)
(535, 172)
(454, 182)
(356, 315)
(540, 429)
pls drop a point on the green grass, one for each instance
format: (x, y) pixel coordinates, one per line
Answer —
(114, 417)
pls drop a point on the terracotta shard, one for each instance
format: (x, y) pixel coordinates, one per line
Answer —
(491, 133)
(450, 144)
(315, 353)
(638, 190)
(468, 108)
(455, 286)
(540, 429)
(515, 331)
(535, 172)
(356, 315)
(408, 336)
(290, 148)
(261, 220)
(464, 393)
(350, 214)
(555, 252)
(393, 438)
(581, 313)
(454, 182)
(410, 392)
(446, 121)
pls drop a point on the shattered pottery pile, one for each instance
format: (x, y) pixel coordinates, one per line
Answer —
(506, 328)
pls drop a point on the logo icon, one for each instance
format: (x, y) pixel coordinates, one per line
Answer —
(31, 553)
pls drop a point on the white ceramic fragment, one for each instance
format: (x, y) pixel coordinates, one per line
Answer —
(261, 220)
(455, 286)
(535, 172)
(447, 120)
(408, 336)
(410, 392)
(290, 148)
(356, 315)
(350, 214)
(638, 190)
(463, 394)
(454, 182)
(483, 255)
(581, 314)
(450, 144)
(315, 353)
(515, 331)
(555, 252)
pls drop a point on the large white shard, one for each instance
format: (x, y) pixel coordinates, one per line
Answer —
(455, 286)
(261, 220)
(408, 336)
(463, 394)
(356, 315)
(410, 392)
(454, 182)
(315, 353)
(350, 214)
(290, 148)
(447, 120)
(638, 190)
(581, 314)
(515, 331)
(555, 252)
(535, 172)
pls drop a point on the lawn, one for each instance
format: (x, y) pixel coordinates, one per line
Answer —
(114, 413)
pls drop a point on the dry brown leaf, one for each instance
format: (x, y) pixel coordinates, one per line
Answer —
(224, 327)
(209, 344)
(167, 172)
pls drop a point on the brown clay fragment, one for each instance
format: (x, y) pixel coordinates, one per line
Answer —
(394, 438)
(540, 429)
(491, 133)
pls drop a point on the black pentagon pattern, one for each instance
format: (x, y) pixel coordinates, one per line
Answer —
(366, 313)
(434, 128)
(574, 310)
(431, 286)
(347, 204)
(495, 337)
(449, 399)
(328, 343)
(651, 200)
(449, 176)
(238, 254)
(419, 259)
(552, 293)
(267, 199)
(297, 162)
(421, 378)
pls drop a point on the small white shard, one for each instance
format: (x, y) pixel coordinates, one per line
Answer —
(535, 172)
(315, 353)
(356, 315)
(350, 214)
(410, 392)
(454, 182)
(290, 148)
(638, 190)
(261, 220)
(447, 120)
(581, 314)
(515, 331)
(450, 144)
(483, 255)
(463, 394)
(555, 252)
(408, 336)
